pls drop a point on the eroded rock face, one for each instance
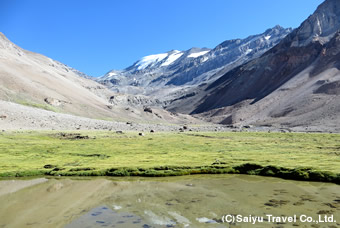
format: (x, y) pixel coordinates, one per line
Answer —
(329, 56)
(320, 26)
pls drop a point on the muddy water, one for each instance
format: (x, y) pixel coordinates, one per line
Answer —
(190, 201)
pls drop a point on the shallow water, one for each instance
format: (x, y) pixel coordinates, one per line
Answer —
(189, 201)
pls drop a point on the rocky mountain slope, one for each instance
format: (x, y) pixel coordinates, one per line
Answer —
(162, 74)
(294, 84)
(34, 80)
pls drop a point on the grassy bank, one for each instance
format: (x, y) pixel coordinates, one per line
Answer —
(288, 155)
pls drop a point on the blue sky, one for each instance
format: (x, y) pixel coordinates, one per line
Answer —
(99, 35)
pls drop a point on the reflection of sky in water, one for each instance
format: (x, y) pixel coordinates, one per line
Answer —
(198, 201)
(105, 217)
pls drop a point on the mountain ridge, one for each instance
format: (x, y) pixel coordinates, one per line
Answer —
(191, 67)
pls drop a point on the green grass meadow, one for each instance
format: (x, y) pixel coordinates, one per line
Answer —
(157, 154)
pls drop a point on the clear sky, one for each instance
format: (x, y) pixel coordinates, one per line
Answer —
(95, 36)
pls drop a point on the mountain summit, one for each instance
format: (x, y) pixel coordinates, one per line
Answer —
(177, 69)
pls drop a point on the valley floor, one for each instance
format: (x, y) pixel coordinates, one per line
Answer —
(20, 117)
(302, 156)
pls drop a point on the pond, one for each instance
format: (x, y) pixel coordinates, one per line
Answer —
(187, 201)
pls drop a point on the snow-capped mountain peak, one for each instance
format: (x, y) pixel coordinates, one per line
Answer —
(190, 67)
(150, 60)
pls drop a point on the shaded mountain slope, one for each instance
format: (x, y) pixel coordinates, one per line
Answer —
(295, 83)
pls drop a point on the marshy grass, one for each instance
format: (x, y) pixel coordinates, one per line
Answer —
(298, 156)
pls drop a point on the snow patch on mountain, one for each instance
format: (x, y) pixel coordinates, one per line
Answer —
(195, 55)
(172, 58)
(248, 51)
(149, 60)
(111, 74)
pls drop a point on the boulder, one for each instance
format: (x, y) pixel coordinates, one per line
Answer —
(147, 109)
